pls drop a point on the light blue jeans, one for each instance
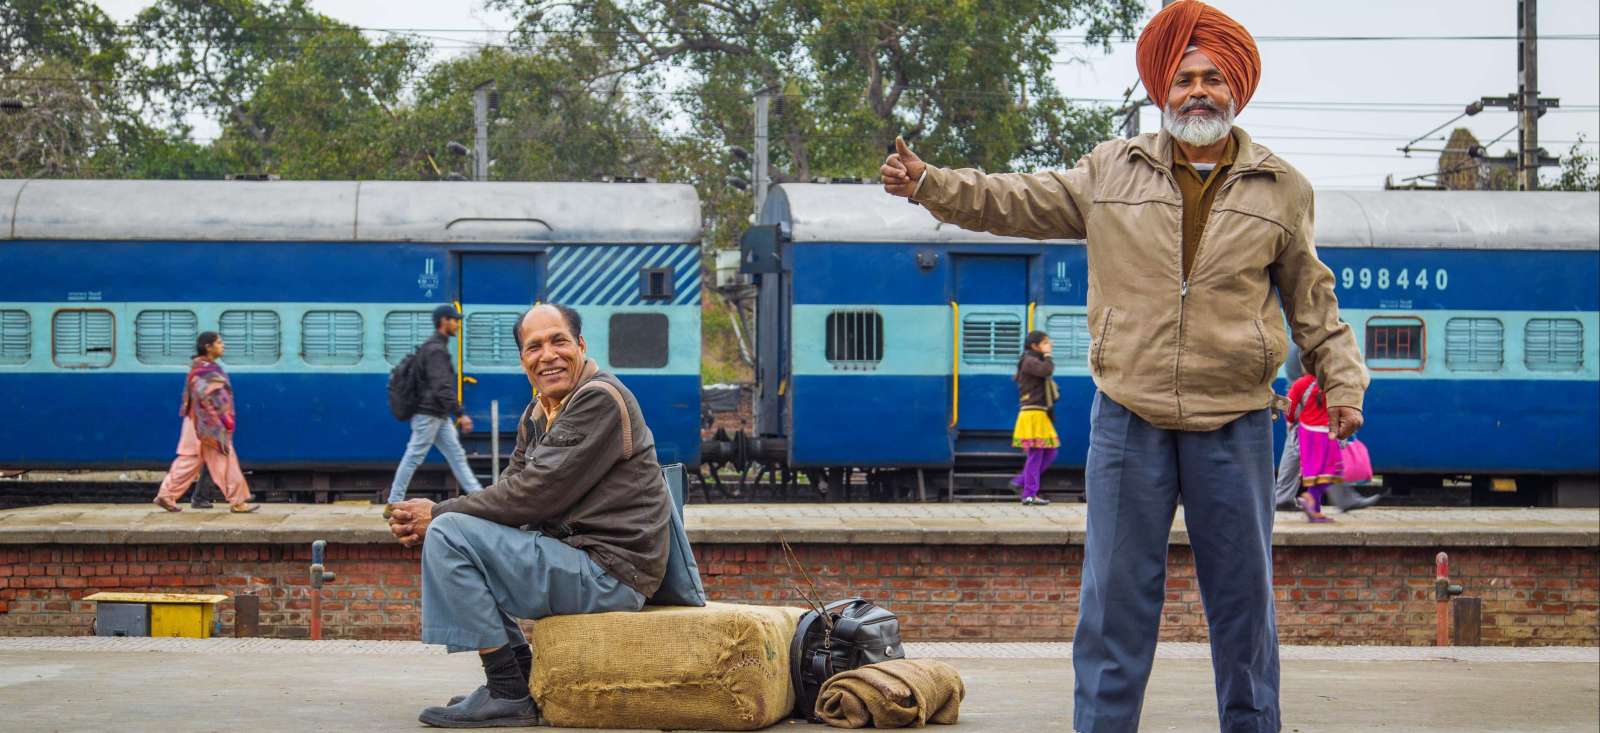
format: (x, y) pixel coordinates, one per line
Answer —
(427, 432)
(479, 577)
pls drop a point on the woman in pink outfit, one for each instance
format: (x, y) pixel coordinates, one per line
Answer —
(207, 438)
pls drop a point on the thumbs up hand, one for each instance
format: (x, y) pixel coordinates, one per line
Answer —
(902, 170)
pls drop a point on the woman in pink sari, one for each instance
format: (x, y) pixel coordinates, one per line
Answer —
(207, 438)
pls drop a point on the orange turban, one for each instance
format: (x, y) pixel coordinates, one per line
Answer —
(1193, 23)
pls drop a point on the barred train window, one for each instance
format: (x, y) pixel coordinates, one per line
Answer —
(1069, 333)
(84, 338)
(991, 338)
(1395, 343)
(253, 337)
(1474, 344)
(16, 337)
(331, 337)
(492, 339)
(655, 283)
(165, 337)
(638, 340)
(403, 332)
(1553, 344)
(853, 338)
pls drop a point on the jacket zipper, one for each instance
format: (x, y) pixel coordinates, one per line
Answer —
(1183, 281)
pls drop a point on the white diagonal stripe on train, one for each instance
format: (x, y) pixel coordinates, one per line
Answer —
(626, 291)
(687, 288)
(575, 262)
(579, 285)
(684, 262)
(617, 278)
(594, 279)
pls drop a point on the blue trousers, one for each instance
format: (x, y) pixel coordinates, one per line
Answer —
(1136, 476)
(479, 577)
(428, 431)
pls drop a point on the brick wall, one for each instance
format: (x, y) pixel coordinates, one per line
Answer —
(983, 593)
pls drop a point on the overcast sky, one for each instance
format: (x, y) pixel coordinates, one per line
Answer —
(1303, 109)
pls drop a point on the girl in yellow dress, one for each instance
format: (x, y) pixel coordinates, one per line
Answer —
(1035, 432)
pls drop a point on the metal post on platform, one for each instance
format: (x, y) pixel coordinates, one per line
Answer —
(494, 440)
(1443, 592)
(318, 577)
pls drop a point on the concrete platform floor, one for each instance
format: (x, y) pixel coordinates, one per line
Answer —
(958, 524)
(173, 685)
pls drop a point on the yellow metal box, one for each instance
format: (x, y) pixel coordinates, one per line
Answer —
(190, 615)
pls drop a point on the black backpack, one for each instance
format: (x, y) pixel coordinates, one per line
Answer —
(856, 633)
(404, 396)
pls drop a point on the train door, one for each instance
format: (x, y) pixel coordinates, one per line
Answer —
(990, 315)
(495, 290)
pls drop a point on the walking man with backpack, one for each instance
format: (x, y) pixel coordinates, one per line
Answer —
(424, 385)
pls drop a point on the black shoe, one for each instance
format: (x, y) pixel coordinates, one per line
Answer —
(482, 690)
(199, 503)
(483, 711)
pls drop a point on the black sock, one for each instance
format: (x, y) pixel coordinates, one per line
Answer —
(504, 675)
(524, 660)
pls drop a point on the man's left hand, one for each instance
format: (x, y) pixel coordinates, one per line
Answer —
(1343, 421)
(409, 521)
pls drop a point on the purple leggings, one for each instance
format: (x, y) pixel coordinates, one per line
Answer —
(1033, 468)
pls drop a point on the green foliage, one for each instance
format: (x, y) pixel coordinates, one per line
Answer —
(1578, 170)
(971, 82)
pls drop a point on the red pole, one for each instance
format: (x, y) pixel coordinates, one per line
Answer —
(316, 614)
(1441, 582)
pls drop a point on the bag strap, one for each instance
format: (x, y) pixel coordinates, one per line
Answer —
(622, 413)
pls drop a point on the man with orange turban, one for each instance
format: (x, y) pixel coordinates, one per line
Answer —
(1200, 246)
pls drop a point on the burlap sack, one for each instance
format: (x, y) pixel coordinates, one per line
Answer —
(721, 667)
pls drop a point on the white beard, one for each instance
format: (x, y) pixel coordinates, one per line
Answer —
(1198, 131)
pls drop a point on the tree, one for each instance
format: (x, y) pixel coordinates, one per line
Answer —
(550, 125)
(59, 130)
(971, 83)
(75, 32)
(1578, 170)
(332, 110)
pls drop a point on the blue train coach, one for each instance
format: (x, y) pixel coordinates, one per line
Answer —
(319, 289)
(887, 341)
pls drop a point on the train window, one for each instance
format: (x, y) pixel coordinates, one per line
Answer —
(84, 338)
(638, 340)
(165, 337)
(1069, 333)
(655, 283)
(491, 339)
(253, 337)
(854, 338)
(331, 337)
(1553, 344)
(16, 337)
(1395, 344)
(991, 338)
(403, 332)
(1474, 344)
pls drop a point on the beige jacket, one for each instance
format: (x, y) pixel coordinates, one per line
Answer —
(1182, 355)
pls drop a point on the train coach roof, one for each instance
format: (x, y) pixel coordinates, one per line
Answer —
(345, 211)
(811, 212)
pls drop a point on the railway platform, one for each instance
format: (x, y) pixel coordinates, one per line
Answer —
(953, 572)
(53, 684)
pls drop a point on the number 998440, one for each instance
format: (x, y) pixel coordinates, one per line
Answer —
(1366, 278)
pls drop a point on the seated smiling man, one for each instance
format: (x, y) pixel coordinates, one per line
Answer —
(577, 523)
